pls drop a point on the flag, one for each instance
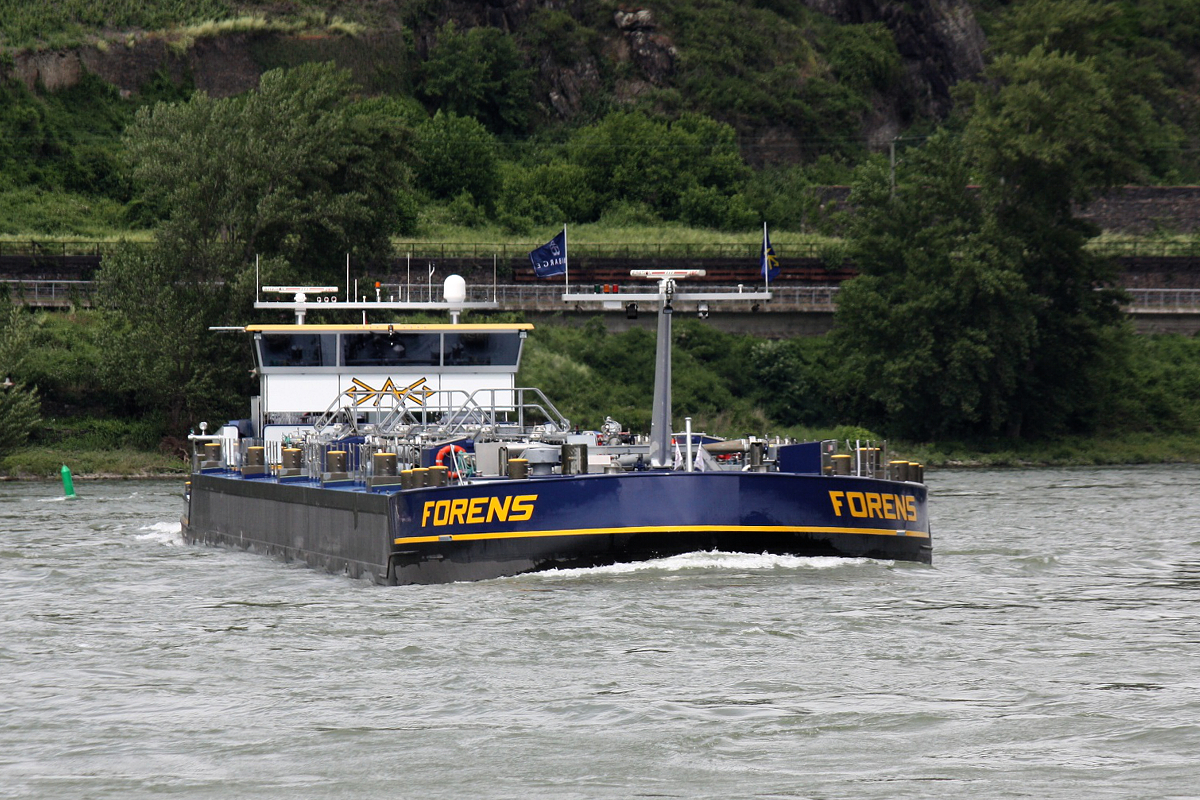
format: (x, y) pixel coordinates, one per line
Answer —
(551, 258)
(770, 264)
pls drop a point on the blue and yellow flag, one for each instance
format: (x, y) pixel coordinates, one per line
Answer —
(770, 264)
(551, 258)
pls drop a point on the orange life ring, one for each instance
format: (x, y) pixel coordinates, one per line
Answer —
(451, 472)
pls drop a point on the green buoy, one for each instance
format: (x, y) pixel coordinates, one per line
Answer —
(68, 484)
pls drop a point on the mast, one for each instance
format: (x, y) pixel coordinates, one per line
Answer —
(661, 453)
(660, 416)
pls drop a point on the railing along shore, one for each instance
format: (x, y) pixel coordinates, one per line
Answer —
(1121, 248)
(548, 295)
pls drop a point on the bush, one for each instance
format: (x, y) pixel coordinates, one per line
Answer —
(456, 154)
(91, 433)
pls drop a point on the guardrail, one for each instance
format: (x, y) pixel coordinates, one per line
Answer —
(1152, 301)
(48, 294)
(63, 294)
(747, 251)
(50, 249)
(504, 251)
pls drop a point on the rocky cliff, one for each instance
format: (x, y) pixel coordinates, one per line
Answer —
(939, 41)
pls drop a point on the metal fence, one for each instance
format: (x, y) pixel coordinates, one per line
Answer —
(1127, 248)
(1164, 300)
(63, 294)
(48, 293)
(644, 251)
(33, 248)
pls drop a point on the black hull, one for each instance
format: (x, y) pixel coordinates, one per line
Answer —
(500, 528)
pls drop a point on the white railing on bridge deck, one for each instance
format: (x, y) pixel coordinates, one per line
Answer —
(48, 293)
(62, 294)
(1165, 301)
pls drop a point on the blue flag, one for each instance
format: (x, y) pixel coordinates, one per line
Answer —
(551, 258)
(770, 264)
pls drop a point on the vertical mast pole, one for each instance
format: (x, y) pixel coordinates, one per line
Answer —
(660, 418)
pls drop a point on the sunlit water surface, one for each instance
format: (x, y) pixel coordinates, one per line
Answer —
(1052, 651)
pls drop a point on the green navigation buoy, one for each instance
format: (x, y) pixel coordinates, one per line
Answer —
(68, 484)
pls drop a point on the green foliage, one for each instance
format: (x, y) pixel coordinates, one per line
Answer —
(37, 212)
(632, 157)
(456, 154)
(1051, 124)
(983, 314)
(792, 380)
(1160, 390)
(102, 433)
(780, 195)
(555, 32)
(65, 21)
(19, 405)
(64, 361)
(295, 169)
(162, 88)
(159, 356)
(65, 141)
(932, 337)
(1137, 54)
(545, 194)
(480, 73)
(45, 462)
(864, 57)
(753, 67)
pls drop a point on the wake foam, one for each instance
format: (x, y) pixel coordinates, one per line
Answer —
(168, 533)
(716, 560)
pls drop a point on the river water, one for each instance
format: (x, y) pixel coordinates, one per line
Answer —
(1052, 651)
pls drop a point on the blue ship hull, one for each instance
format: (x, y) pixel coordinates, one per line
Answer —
(500, 527)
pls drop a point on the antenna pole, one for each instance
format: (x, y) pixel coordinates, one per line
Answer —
(660, 413)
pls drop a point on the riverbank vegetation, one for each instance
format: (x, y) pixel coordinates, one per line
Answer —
(729, 384)
(982, 321)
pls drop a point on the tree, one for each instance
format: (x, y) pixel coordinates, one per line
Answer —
(296, 171)
(480, 73)
(931, 335)
(296, 168)
(984, 313)
(456, 154)
(633, 157)
(20, 409)
(160, 355)
(1049, 131)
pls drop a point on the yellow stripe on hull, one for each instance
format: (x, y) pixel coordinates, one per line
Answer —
(469, 537)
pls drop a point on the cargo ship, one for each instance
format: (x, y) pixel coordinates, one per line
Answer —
(407, 454)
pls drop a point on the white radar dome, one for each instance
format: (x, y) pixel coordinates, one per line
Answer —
(454, 289)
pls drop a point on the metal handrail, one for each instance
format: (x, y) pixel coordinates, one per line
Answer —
(63, 292)
(1148, 247)
(48, 292)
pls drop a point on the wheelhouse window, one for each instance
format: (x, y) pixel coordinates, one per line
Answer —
(385, 349)
(298, 350)
(482, 349)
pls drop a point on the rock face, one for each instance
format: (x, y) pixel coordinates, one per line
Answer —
(940, 42)
(219, 66)
(640, 43)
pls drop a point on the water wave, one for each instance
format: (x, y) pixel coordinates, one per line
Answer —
(168, 533)
(715, 560)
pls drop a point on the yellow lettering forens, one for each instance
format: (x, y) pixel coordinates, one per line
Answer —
(478, 510)
(874, 504)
